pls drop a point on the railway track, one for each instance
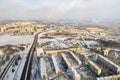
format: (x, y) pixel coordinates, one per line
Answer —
(3, 74)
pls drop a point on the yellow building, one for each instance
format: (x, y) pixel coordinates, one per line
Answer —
(20, 28)
(40, 29)
(94, 30)
(40, 51)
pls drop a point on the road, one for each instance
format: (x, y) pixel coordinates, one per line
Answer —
(28, 64)
(26, 74)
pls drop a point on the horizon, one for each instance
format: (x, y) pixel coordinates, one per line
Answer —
(59, 9)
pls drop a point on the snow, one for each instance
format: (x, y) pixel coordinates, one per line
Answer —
(23, 39)
(54, 43)
(20, 68)
(3, 66)
(91, 42)
(14, 40)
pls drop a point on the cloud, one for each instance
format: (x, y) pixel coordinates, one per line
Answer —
(59, 9)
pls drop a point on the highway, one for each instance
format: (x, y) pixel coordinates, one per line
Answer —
(28, 64)
(26, 74)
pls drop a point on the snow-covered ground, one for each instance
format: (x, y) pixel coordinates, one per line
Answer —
(53, 43)
(20, 68)
(15, 40)
(23, 39)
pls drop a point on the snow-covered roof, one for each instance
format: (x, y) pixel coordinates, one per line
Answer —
(1, 53)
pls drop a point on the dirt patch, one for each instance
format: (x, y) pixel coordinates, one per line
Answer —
(11, 49)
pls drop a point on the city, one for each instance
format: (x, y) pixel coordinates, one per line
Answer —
(59, 40)
(50, 52)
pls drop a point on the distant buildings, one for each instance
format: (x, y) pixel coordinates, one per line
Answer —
(94, 30)
(99, 31)
(21, 27)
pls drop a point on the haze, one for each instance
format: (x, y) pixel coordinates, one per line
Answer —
(59, 9)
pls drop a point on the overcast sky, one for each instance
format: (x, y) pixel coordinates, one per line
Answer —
(59, 9)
